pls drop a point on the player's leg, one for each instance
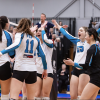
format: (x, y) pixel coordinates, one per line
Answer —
(24, 91)
(17, 83)
(47, 85)
(83, 81)
(31, 90)
(5, 89)
(15, 89)
(5, 76)
(31, 85)
(39, 86)
(89, 91)
(74, 87)
(94, 96)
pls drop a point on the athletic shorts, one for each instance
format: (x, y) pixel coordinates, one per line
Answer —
(77, 72)
(5, 71)
(49, 75)
(95, 79)
(29, 77)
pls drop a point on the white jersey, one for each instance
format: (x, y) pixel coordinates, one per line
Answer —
(25, 46)
(6, 41)
(81, 52)
(81, 49)
(48, 50)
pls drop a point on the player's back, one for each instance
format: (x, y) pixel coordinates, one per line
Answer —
(25, 53)
(5, 35)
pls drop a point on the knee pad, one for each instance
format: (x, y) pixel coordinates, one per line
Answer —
(4, 97)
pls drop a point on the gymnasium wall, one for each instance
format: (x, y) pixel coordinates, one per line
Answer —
(82, 10)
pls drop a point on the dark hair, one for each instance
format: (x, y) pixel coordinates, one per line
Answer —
(24, 26)
(93, 32)
(3, 21)
(43, 14)
(61, 23)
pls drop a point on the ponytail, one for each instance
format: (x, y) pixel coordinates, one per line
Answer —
(24, 26)
(3, 21)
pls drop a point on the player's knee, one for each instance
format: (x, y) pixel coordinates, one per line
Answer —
(73, 96)
(80, 91)
(37, 94)
(45, 94)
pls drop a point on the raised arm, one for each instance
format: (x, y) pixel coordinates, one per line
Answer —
(65, 33)
(42, 55)
(47, 41)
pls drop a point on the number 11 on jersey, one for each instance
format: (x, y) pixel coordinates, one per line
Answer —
(31, 46)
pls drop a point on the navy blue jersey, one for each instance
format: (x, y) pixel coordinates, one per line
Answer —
(48, 26)
(92, 63)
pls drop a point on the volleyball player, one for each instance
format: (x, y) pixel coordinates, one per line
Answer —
(25, 69)
(80, 78)
(5, 70)
(92, 66)
(44, 85)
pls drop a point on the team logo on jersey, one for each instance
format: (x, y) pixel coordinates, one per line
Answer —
(27, 56)
(80, 49)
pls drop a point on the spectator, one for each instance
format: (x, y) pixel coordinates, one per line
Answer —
(43, 21)
(59, 34)
(63, 78)
(50, 33)
(53, 37)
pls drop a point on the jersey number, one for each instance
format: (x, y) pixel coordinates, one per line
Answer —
(31, 47)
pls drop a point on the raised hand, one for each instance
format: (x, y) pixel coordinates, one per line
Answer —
(68, 62)
(54, 22)
(44, 24)
(33, 29)
(64, 26)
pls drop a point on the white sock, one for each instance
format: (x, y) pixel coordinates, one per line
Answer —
(37, 98)
(78, 98)
(45, 98)
(24, 98)
(4, 97)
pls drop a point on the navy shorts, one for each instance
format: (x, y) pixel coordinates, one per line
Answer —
(95, 79)
(77, 72)
(29, 77)
(5, 71)
(49, 75)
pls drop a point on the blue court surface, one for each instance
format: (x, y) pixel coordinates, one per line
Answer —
(67, 96)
